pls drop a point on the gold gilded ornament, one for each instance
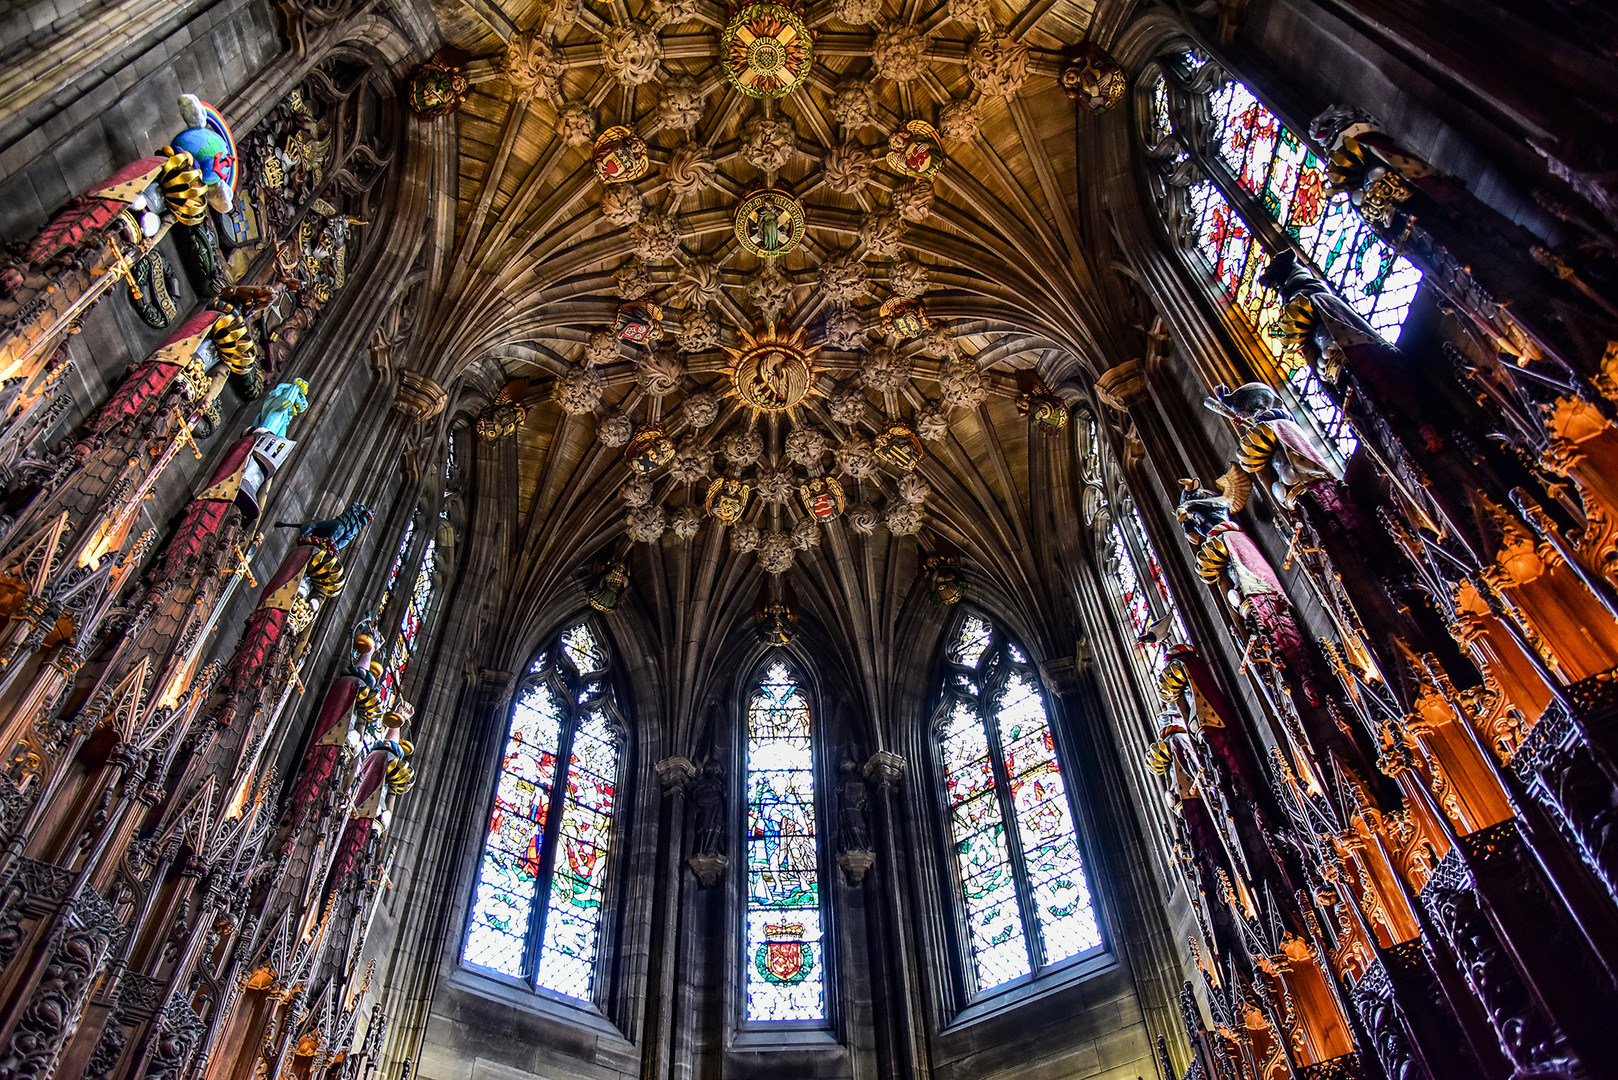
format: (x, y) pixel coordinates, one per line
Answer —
(766, 50)
(904, 317)
(638, 321)
(822, 497)
(649, 450)
(772, 373)
(620, 156)
(1093, 78)
(915, 150)
(727, 500)
(769, 223)
(436, 88)
(899, 446)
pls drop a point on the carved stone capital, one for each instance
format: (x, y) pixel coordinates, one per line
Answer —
(675, 774)
(708, 868)
(1060, 675)
(855, 865)
(495, 685)
(885, 769)
(418, 397)
(1122, 385)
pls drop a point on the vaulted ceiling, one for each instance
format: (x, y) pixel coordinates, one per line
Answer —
(974, 253)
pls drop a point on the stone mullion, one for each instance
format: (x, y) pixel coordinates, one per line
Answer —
(659, 1026)
(888, 919)
(1129, 888)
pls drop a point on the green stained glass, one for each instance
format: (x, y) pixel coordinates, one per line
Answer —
(784, 977)
(998, 758)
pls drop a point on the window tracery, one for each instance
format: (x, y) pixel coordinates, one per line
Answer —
(1129, 563)
(538, 904)
(1022, 896)
(1255, 185)
(783, 955)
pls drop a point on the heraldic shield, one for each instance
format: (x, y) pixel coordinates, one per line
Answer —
(784, 957)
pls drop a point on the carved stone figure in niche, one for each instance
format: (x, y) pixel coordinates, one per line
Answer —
(708, 802)
(853, 810)
(776, 618)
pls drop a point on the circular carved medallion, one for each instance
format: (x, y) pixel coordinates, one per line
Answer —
(772, 374)
(769, 223)
(766, 51)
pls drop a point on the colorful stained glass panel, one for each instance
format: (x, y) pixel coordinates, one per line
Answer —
(784, 969)
(512, 906)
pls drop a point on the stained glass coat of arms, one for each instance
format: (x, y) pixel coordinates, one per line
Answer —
(783, 949)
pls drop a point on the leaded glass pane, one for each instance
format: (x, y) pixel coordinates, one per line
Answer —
(784, 969)
(1288, 181)
(1162, 126)
(578, 881)
(971, 641)
(549, 930)
(998, 757)
(580, 646)
(1044, 821)
(503, 904)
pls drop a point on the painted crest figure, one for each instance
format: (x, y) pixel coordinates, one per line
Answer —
(727, 499)
(436, 88)
(904, 317)
(1040, 405)
(638, 321)
(899, 446)
(607, 588)
(822, 497)
(649, 450)
(915, 150)
(620, 156)
(1093, 78)
(766, 50)
(784, 957)
(770, 223)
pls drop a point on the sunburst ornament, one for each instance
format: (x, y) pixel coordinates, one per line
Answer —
(773, 373)
(766, 50)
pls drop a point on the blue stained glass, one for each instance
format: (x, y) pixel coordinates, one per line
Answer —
(996, 886)
(784, 970)
(511, 900)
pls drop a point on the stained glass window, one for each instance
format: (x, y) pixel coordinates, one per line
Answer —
(1254, 153)
(1141, 590)
(784, 969)
(1024, 901)
(415, 615)
(538, 903)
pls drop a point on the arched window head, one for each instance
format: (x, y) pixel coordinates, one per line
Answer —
(1238, 185)
(783, 931)
(1022, 899)
(538, 905)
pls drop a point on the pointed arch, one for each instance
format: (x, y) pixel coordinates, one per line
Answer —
(784, 919)
(541, 893)
(1021, 895)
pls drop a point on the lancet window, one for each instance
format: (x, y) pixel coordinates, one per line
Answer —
(1129, 564)
(1237, 185)
(783, 932)
(1022, 897)
(542, 884)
